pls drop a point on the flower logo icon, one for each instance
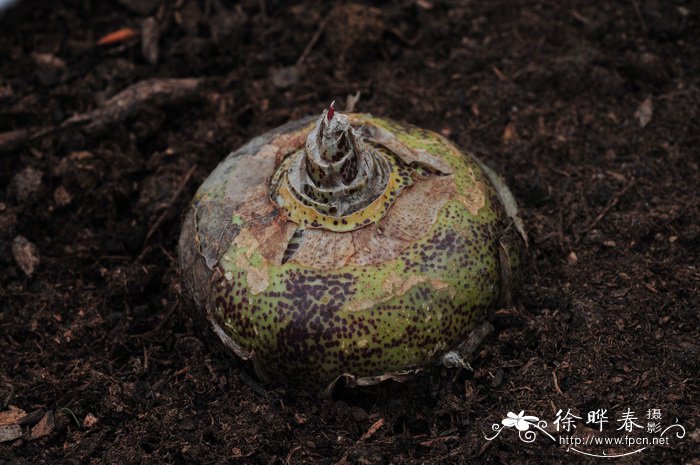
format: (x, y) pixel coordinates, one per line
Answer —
(520, 421)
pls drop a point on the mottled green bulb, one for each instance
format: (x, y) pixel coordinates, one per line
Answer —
(349, 245)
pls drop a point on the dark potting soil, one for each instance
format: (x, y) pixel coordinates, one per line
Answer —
(590, 110)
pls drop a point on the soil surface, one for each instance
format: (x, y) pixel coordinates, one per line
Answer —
(590, 110)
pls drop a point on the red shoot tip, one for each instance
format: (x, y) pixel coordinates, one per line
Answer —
(331, 110)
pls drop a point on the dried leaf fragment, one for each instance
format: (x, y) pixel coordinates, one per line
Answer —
(120, 35)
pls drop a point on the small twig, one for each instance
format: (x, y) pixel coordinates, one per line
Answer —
(368, 434)
(291, 452)
(556, 382)
(314, 39)
(580, 17)
(400, 35)
(500, 75)
(639, 15)
(166, 210)
(156, 92)
(372, 429)
(127, 102)
(613, 201)
(181, 371)
(483, 448)
(437, 440)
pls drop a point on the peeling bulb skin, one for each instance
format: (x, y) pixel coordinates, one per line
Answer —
(349, 245)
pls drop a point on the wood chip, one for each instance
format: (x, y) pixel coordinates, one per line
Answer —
(509, 133)
(26, 183)
(44, 427)
(90, 420)
(11, 416)
(61, 196)
(26, 255)
(644, 112)
(10, 433)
